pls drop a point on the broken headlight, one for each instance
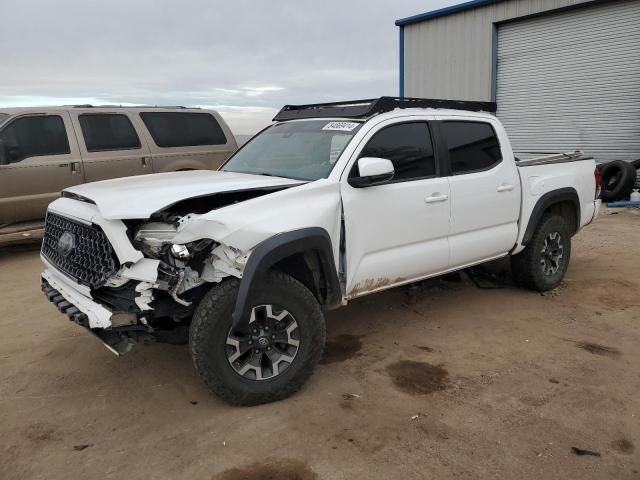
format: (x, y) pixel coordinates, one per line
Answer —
(153, 236)
(156, 238)
(190, 250)
(181, 252)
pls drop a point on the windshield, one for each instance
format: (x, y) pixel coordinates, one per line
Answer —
(304, 150)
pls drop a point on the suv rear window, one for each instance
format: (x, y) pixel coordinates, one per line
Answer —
(472, 146)
(35, 136)
(108, 131)
(181, 129)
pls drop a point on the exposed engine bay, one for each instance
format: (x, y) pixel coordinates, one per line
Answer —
(183, 267)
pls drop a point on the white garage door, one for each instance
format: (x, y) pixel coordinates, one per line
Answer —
(572, 80)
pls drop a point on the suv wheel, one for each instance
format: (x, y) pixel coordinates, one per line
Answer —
(543, 263)
(274, 357)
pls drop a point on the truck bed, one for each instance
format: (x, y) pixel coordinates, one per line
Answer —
(570, 174)
(546, 158)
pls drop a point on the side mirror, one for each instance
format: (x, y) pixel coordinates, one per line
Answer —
(4, 153)
(373, 171)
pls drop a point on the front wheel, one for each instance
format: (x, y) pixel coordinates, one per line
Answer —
(543, 263)
(271, 359)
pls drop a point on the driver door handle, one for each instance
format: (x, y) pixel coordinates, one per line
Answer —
(436, 197)
(505, 187)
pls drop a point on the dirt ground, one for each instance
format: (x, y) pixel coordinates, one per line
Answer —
(434, 381)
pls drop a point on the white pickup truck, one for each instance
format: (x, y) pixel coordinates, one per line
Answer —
(330, 203)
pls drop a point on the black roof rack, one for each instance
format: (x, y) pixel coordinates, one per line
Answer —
(370, 107)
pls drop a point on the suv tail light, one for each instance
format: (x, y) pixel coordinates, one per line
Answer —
(596, 176)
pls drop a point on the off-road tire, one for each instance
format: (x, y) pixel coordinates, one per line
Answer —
(526, 267)
(212, 321)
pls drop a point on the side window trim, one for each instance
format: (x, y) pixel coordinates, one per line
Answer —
(10, 121)
(445, 148)
(443, 168)
(115, 149)
(395, 124)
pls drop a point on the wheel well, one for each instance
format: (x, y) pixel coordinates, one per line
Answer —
(307, 269)
(567, 210)
(306, 254)
(563, 202)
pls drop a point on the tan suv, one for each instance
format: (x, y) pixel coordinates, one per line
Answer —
(44, 150)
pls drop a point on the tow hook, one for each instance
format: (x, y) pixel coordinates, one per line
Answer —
(174, 291)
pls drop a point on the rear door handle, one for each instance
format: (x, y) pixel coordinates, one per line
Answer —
(146, 162)
(75, 167)
(436, 197)
(505, 187)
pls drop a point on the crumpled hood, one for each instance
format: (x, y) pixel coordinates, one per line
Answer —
(140, 196)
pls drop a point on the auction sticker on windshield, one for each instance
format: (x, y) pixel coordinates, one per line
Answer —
(341, 126)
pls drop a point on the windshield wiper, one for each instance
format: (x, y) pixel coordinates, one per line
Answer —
(267, 174)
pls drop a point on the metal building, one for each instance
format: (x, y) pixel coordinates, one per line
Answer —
(564, 73)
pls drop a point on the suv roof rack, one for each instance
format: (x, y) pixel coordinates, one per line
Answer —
(370, 107)
(88, 105)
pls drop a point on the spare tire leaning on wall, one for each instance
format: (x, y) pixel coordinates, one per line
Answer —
(617, 180)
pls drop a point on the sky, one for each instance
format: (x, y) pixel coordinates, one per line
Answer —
(244, 58)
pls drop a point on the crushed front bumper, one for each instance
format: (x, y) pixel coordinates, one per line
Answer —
(92, 314)
(84, 311)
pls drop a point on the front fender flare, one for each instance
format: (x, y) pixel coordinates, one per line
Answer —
(270, 251)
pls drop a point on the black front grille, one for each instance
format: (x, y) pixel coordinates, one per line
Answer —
(84, 254)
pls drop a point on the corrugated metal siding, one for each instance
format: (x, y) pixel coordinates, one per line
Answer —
(451, 56)
(572, 80)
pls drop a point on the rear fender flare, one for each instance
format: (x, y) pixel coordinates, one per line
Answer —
(547, 200)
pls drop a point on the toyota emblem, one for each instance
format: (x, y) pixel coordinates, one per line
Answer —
(66, 243)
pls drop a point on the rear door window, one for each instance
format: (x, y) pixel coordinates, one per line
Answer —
(35, 136)
(472, 146)
(108, 131)
(183, 129)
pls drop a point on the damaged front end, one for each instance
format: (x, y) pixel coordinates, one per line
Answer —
(182, 267)
(143, 301)
(164, 301)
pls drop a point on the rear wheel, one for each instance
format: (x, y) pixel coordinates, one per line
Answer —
(271, 359)
(544, 262)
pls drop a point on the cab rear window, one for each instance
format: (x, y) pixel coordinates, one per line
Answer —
(473, 146)
(183, 129)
